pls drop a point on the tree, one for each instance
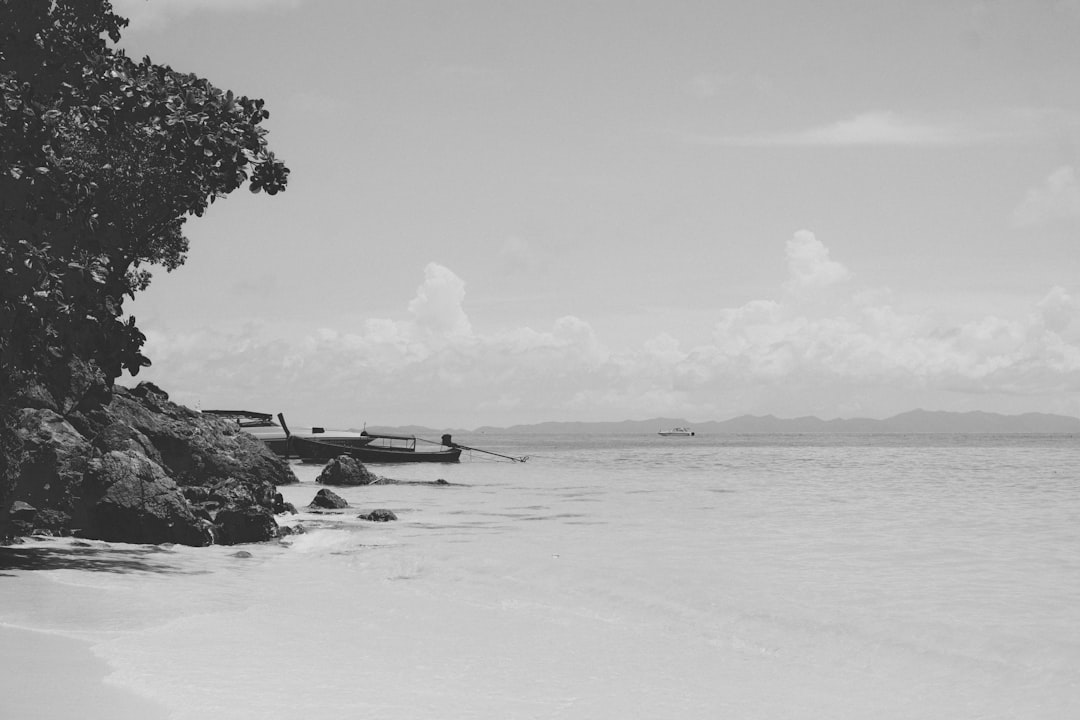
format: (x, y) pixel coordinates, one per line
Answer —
(102, 160)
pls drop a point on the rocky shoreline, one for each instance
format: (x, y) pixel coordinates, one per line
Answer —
(141, 469)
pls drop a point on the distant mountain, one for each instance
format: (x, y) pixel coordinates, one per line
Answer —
(915, 421)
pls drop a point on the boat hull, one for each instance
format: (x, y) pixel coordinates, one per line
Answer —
(281, 444)
(310, 450)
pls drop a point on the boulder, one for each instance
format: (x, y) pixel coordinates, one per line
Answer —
(380, 515)
(22, 512)
(328, 500)
(131, 499)
(22, 515)
(28, 520)
(245, 525)
(345, 470)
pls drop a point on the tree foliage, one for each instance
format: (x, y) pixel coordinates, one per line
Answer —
(102, 159)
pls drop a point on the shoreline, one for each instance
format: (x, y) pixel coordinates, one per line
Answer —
(48, 675)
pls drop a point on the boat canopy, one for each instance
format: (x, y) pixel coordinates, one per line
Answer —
(386, 436)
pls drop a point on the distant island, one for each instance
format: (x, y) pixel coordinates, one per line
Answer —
(915, 421)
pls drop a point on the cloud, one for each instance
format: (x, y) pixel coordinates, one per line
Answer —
(820, 347)
(809, 266)
(437, 307)
(1057, 198)
(882, 128)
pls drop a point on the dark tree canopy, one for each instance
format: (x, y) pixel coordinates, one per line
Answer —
(102, 159)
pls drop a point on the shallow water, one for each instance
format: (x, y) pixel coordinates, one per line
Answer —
(795, 576)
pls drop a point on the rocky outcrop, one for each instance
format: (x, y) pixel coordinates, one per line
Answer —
(140, 469)
(345, 470)
(129, 498)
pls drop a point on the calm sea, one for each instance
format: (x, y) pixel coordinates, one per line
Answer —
(757, 576)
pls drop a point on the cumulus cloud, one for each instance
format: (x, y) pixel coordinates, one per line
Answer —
(809, 266)
(1057, 198)
(843, 353)
(437, 307)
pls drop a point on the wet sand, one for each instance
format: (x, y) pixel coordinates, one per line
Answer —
(44, 676)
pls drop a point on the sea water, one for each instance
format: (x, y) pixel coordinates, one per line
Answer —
(788, 576)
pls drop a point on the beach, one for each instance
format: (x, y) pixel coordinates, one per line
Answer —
(608, 577)
(47, 676)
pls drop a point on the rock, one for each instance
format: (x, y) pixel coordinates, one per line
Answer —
(22, 512)
(345, 470)
(280, 507)
(53, 522)
(245, 525)
(329, 500)
(137, 468)
(77, 385)
(21, 517)
(55, 461)
(379, 516)
(133, 500)
(199, 449)
(147, 389)
(242, 554)
(34, 396)
(121, 436)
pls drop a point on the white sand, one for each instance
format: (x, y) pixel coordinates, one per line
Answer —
(52, 677)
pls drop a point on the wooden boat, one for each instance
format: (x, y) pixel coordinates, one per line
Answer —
(381, 449)
(276, 437)
(677, 432)
(320, 445)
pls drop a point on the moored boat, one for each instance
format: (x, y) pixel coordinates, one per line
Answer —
(276, 437)
(380, 449)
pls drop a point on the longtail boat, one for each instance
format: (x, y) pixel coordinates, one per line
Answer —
(379, 448)
(276, 437)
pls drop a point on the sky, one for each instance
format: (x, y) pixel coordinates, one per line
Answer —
(506, 212)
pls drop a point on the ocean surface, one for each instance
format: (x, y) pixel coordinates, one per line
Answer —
(773, 577)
